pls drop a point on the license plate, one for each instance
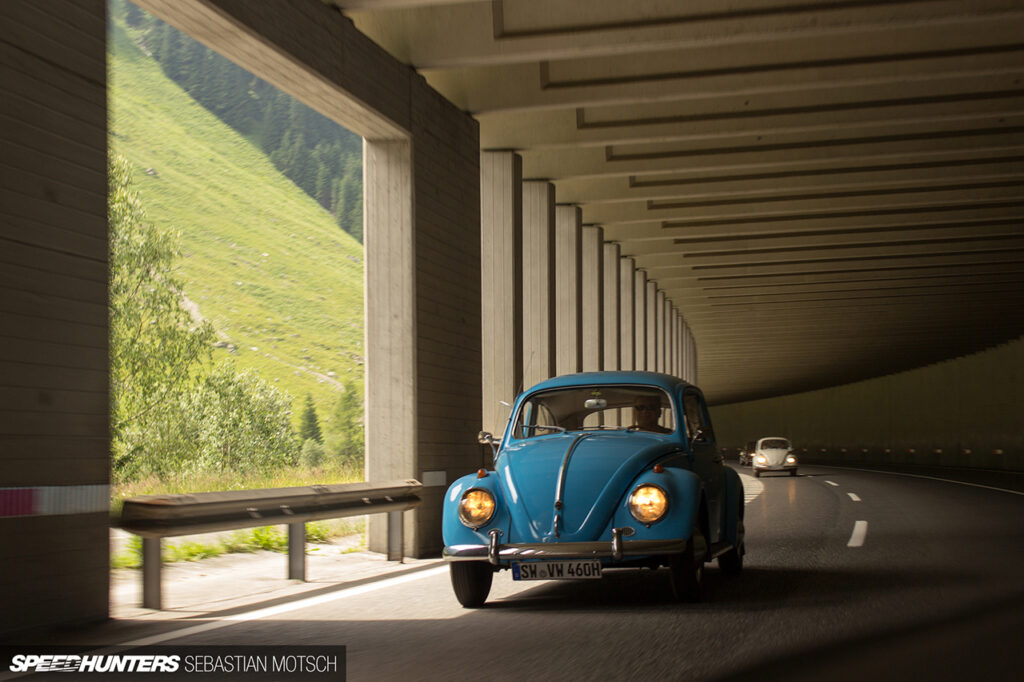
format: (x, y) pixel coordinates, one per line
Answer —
(557, 570)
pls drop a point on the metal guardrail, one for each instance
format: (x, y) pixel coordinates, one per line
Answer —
(154, 517)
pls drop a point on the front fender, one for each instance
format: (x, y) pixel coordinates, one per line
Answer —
(683, 488)
(453, 531)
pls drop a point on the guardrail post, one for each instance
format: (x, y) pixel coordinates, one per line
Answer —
(297, 551)
(151, 566)
(395, 536)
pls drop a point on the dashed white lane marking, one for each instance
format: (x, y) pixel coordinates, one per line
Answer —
(930, 478)
(860, 531)
(832, 483)
(853, 496)
(751, 487)
(290, 606)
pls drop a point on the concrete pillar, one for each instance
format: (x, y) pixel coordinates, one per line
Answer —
(655, 327)
(677, 343)
(652, 326)
(627, 314)
(640, 317)
(665, 335)
(538, 282)
(693, 358)
(612, 309)
(689, 356)
(390, 309)
(54, 414)
(685, 348)
(501, 284)
(593, 299)
(568, 289)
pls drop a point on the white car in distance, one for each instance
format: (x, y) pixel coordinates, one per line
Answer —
(774, 454)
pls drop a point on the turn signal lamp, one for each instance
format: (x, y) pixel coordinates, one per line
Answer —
(658, 469)
(481, 473)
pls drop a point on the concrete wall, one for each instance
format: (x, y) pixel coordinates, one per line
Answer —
(965, 412)
(54, 396)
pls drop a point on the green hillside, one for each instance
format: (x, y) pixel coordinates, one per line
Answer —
(281, 283)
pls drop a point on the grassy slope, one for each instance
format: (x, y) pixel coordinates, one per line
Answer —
(263, 261)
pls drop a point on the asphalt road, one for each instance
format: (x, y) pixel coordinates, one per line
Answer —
(933, 590)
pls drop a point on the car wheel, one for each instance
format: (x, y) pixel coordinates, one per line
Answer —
(757, 473)
(687, 575)
(471, 581)
(792, 472)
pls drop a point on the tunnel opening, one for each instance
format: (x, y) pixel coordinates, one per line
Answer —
(237, 271)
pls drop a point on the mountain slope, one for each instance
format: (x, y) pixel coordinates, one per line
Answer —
(262, 260)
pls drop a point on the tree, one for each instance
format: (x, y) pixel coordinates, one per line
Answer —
(243, 422)
(346, 439)
(309, 424)
(156, 348)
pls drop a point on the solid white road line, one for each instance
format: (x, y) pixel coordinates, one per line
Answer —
(290, 606)
(860, 531)
(853, 496)
(833, 483)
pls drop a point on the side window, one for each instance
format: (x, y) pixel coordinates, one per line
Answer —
(693, 406)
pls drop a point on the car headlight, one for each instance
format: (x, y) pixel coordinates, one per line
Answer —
(648, 503)
(790, 459)
(476, 507)
(760, 459)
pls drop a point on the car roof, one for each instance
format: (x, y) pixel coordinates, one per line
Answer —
(665, 381)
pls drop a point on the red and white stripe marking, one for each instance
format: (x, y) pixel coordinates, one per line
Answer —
(53, 500)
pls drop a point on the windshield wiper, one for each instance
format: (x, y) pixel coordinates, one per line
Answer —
(532, 429)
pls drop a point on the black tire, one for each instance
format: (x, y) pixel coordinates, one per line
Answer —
(687, 575)
(471, 581)
(792, 472)
(757, 474)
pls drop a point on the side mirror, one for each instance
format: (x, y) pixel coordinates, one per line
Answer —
(703, 434)
(487, 438)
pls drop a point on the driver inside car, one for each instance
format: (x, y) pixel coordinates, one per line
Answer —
(646, 413)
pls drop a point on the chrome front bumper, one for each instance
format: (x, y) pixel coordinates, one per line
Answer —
(498, 554)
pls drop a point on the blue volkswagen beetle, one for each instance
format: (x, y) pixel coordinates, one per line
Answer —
(595, 471)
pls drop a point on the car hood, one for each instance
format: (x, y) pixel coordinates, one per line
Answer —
(601, 466)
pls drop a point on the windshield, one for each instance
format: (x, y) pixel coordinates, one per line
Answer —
(583, 408)
(775, 444)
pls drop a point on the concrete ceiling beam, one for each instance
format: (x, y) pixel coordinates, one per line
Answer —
(803, 156)
(813, 225)
(854, 252)
(982, 272)
(895, 239)
(697, 75)
(907, 200)
(595, 191)
(532, 30)
(935, 102)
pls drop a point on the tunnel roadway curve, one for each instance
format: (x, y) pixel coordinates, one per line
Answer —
(849, 575)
